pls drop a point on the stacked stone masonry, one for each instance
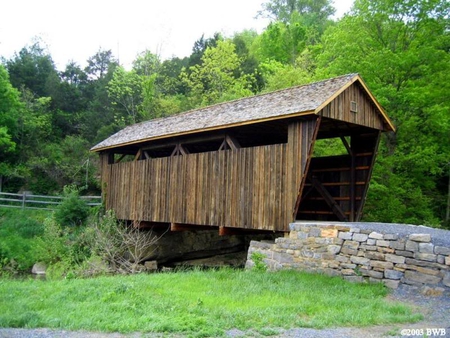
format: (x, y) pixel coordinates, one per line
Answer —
(358, 255)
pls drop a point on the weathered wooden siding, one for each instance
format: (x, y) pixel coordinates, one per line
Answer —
(250, 188)
(366, 115)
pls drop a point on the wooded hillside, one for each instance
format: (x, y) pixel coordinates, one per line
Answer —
(49, 119)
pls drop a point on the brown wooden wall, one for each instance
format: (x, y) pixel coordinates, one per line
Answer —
(251, 188)
(366, 115)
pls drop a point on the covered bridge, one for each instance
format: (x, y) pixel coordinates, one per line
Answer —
(248, 164)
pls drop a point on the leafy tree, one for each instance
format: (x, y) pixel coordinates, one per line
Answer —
(282, 10)
(200, 46)
(32, 68)
(125, 89)
(146, 64)
(401, 50)
(10, 108)
(215, 79)
(99, 64)
(281, 42)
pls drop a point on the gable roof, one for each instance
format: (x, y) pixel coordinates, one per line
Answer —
(295, 101)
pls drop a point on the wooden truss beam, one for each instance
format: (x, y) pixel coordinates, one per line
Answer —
(329, 199)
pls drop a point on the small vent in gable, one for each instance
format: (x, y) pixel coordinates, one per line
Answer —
(353, 106)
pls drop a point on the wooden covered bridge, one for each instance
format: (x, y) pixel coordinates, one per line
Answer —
(249, 163)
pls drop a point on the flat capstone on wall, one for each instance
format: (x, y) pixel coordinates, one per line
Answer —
(363, 252)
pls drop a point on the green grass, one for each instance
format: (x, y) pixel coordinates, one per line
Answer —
(197, 303)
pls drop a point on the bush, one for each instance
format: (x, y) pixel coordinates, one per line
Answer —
(18, 232)
(72, 211)
(122, 247)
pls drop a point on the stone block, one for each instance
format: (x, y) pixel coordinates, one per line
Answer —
(391, 284)
(348, 272)
(391, 237)
(397, 245)
(302, 235)
(264, 245)
(394, 258)
(351, 244)
(345, 235)
(342, 259)
(334, 249)
(360, 260)
(440, 259)
(328, 256)
(374, 280)
(375, 255)
(376, 235)
(314, 232)
(337, 241)
(420, 238)
(441, 250)
(382, 264)
(368, 247)
(447, 260)
(360, 237)
(322, 240)
(342, 228)
(433, 272)
(39, 268)
(383, 243)
(411, 246)
(385, 250)
(348, 251)
(151, 265)
(417, 277)
(348, 266)
(371, 241)
(446, 279)
(425, 257)
(355, 230)
(426, 248)
(293, 234)
(328, 233)
(411, 261)
(393, 274)
(375, 274)
(400, 267)
(404, 253)
(282, 258)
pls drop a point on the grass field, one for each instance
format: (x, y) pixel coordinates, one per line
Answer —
(197, 303)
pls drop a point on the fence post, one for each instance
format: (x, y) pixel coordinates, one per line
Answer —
(24, 196)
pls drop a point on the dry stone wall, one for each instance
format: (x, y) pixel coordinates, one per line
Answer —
(359, 254)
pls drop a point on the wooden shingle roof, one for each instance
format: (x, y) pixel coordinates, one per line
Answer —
(295, 101)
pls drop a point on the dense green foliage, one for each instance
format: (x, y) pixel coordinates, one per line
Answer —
(197, 303)
(18, 233)
(49, 119)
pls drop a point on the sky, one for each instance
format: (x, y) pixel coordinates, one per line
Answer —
(76, 30)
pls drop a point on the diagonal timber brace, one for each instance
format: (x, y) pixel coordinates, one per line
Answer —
(329, 199)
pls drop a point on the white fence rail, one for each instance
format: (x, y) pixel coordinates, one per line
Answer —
(26, 201)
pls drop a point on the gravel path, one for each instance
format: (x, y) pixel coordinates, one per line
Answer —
(436, 311)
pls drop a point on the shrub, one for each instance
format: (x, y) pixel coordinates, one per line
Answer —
(72, 211)
(258, 259)
(122, 247)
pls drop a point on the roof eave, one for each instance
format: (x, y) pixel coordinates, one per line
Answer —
(238, 124)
